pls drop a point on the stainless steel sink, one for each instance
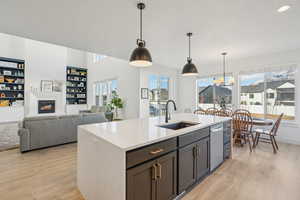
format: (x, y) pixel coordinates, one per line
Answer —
(178, 125)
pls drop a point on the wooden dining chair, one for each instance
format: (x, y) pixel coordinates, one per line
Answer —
(268, 136)
(242, 128)
(200, 111)
(223, 113)
(211, 111)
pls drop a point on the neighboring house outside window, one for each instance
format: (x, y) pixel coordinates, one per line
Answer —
(270, 93)
(210, 91)
(103, 91)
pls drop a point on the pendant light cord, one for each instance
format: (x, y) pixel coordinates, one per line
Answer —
(189, 47)
(141, 25)
(224, 68)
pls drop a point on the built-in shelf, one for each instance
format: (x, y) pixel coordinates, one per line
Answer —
(12, 70)
(76, 85)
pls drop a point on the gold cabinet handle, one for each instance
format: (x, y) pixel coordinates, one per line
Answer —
(156, 151)
(154, 172)
(159, 170)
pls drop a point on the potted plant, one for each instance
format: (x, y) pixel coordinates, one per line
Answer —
(117, 103)
(109, 115)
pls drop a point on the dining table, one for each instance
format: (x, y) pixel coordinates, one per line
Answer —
(256, 122)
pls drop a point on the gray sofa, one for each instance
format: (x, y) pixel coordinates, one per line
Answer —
(40, 132)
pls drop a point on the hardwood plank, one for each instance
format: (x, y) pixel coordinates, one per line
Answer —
(50, 174)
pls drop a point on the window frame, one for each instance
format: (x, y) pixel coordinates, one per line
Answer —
(106, 81)
(159, 76)
(214, 76)
(266, 70)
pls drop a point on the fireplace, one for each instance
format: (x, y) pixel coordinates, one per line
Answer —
(46, 106)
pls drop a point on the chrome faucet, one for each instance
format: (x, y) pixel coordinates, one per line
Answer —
(168, 116)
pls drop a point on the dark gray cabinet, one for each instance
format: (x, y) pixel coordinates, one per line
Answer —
(186, 167)
(141, 182)
(193, 163)
(203, 147)
(153, 180)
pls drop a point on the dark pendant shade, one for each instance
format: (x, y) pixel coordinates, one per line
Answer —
(189, 69)
(140, 57)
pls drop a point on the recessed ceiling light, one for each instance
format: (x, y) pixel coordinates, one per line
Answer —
(283, 8)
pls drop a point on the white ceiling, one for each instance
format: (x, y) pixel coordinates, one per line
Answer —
(243, 28)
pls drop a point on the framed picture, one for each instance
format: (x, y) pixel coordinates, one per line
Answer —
(46, 86)
(144, 93)
(57, 86)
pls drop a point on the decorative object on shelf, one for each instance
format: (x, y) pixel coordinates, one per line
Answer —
(10, 80)
(117, 103)
(4, 103)
(2, 79)
(20, 87)
(144, 93)
(189, 69)
(46, 86)
(57, 86)
(2, 87)
(2, 95)
(141, 57)
(5, 72)
(46, 106)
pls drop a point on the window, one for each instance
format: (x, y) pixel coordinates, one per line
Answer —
(158, 94)
(210, 93)
(103, 91)
(270, 93)
(97, 57)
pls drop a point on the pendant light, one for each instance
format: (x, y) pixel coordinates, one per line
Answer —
(224, 73)
(141, 57)
(189, 69)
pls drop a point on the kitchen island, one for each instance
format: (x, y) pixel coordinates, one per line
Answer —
(148, 159)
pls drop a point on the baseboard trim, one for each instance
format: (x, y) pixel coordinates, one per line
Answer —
(288, 141)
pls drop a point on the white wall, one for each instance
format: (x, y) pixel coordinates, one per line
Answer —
(43, 61)
(144, 83)
(289, 131)
(127, 82)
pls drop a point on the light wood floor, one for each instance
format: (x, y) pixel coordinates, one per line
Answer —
(50, 174)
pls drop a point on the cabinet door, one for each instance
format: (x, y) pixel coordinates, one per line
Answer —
(167, 177)
(141, 183)
(202, 160)
(186, 167)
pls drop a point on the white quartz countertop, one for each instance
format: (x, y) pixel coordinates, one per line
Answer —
(134, 133)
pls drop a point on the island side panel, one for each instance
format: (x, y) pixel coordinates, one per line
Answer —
(101, 168)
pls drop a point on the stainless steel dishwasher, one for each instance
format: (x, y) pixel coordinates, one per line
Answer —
(216, 146)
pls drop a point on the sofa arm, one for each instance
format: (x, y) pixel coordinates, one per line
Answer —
(24, 135)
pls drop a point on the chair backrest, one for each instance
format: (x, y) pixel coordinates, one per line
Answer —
(276, 125)
(223, 113)
(200, 112)
(241, 111)
(242, 121)
(211, 111)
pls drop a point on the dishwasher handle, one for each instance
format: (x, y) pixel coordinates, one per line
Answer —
(217, 128)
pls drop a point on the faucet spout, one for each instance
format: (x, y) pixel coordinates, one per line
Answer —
(167, 109)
